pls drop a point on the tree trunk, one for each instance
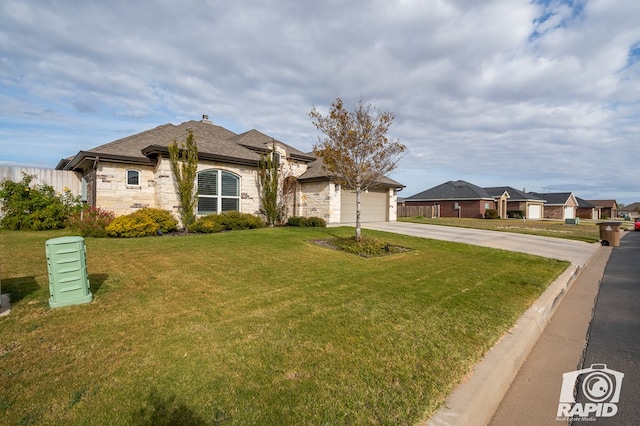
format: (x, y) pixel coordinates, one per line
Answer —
(358, 230)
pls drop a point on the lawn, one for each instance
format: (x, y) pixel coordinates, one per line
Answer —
(254, 327)
(585, 231)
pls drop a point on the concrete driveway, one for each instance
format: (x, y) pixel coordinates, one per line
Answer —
(576, 252)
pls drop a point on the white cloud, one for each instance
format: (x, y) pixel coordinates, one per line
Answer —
(502, 91)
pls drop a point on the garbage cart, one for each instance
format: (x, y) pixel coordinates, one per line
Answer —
(610, 233)
(68, 279)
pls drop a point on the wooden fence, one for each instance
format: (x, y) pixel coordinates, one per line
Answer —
(424, 211)
(58, 179)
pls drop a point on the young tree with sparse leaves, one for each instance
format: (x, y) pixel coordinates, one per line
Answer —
(355, 147)
(271, 203)
(184, 165)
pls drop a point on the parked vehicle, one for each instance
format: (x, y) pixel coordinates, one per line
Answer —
(636, 224)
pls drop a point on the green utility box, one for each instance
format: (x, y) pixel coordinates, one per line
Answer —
(68, 279)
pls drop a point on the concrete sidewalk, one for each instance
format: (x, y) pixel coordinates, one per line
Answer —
(532, 398)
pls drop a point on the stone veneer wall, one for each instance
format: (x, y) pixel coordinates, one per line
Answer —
(113, 193)
(319, 199)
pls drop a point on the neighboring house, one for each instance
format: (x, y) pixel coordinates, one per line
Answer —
(520, 204)
(587, 210)
(559, 205)
(135, 172)
(608, 208)
(461, 199)
(464, 199)
(632, 210)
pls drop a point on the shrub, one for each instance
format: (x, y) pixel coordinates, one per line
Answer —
(226, 221)
(296, 221)
(515, 214)
(91, 222)
(133, 225)
(491, 214)
(163, 218)
(314, 221)
(234, 220)
(36, 207)
(206, 225)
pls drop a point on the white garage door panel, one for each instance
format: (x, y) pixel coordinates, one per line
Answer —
(535, 212)
(373, 206)
(569, 213)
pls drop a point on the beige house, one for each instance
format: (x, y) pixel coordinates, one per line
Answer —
(135, 172)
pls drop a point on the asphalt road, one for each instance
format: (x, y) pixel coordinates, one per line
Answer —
(614, 336)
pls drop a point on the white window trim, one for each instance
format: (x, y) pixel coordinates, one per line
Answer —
(220, 197)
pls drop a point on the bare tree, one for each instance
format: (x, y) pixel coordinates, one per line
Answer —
(355, 147)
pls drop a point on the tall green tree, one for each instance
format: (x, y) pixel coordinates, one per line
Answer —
(272, 205)
(184, 165)
(355, 147)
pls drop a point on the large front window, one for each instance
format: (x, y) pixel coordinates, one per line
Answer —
(218, 191)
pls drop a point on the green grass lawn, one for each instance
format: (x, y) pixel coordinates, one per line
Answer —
(254, 327)
(585, 231)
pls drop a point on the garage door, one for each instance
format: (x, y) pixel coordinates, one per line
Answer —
(569, 213)
(373, 206)
(535, 211)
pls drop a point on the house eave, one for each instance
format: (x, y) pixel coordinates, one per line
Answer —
(84, 159)
(159, 150)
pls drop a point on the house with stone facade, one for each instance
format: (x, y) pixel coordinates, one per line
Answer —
(135, 172)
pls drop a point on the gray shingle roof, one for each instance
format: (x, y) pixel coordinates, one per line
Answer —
(452, 190)
(214, 143)
(554, 198)
(256, 140)
(514, 194)
(584, 203)
(317, 171)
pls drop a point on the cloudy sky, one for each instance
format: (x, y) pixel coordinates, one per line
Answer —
(542, 94)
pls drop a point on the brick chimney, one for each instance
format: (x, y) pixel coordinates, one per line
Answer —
(205, 119)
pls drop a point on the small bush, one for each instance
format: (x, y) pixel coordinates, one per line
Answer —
(163, 218)
(296, 221)
(312, 221)
(491, 214)
(235, 220)
(515, 214)
(206, 225)
(226, 221)
(133, 225)
(316, 222)
(91, 222)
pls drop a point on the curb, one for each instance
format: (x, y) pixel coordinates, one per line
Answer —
(475, 401)
(5, 305)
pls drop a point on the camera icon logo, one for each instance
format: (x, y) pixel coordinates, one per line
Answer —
(600, 385)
